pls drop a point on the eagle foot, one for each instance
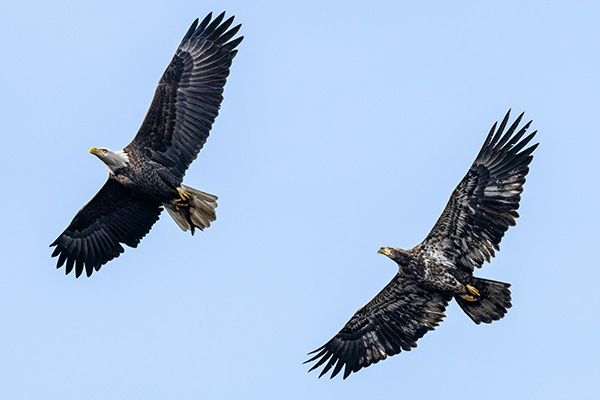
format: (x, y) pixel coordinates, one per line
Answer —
(178, 202)
(183, 200)
(468, 297)
(184, 195)
(473, 290)
(474, 294)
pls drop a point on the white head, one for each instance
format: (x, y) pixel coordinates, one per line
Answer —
(113, 159)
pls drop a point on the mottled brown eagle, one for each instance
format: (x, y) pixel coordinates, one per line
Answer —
(148, 173)
(480, 210)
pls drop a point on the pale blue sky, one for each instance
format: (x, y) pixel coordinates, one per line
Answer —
(345, 127)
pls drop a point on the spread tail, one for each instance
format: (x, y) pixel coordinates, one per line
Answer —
(491, 304)
(198, 210)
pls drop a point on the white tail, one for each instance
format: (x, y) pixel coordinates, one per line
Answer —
(198, 213)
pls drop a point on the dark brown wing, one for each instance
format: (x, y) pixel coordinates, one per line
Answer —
(112, 217)
(392, 321)
(485, 202)
(188, 96)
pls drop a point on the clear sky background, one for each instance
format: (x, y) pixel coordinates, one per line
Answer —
(345, 127)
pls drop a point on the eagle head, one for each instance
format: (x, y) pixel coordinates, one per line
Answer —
(396, 254)
(114, 160)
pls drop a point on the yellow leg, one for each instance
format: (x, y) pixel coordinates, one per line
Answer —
(473, 290)
(474, 294)
(468, 297)
(184, 198)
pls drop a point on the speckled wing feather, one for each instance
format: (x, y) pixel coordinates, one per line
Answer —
(188, 96)
(94, 237)
(484, 204)
(392, 321)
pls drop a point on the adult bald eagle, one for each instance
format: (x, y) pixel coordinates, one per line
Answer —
(430, 275)
(149, 172)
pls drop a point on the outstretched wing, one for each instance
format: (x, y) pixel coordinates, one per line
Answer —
(391, 322)
(112, 217)
(188, 96)
(485, 202)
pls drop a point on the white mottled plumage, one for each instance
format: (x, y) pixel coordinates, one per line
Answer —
(480, 210)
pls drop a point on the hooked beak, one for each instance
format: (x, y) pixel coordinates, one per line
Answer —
(95, 151)
(385, 251)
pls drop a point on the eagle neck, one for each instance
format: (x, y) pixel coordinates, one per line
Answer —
(115, 160)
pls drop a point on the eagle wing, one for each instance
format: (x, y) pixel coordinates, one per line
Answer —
(188, 96)
(392, 321)
(94, 237)
(485, 202)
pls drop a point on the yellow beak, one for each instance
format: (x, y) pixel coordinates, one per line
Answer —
(95, 151)
(384, 251)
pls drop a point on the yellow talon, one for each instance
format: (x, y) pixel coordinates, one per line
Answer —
(183, 200)
(473, 290)
(185, 196)
(468, 297)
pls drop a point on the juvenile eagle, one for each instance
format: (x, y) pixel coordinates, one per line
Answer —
(149, 172)
(479, 211)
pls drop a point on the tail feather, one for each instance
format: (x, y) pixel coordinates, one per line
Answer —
(198, 213)
(492, 304)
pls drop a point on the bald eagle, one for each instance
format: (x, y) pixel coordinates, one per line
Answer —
(430, 275)
(148, 173)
